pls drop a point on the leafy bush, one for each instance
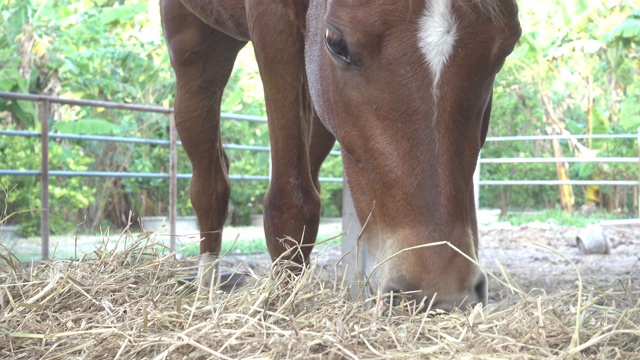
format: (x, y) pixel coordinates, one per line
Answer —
(66, 194)
(582, 57)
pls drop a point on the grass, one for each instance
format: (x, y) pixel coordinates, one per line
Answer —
(241, 240)
(559, 217)
(252, 244)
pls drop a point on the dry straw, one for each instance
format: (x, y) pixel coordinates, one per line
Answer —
(128, 304)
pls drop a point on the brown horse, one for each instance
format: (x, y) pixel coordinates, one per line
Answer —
(405, 86)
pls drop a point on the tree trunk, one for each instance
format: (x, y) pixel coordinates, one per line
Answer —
(566, 191)
(505, 200)
(556, 127)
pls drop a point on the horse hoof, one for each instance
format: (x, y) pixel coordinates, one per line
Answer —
(188, 280)
(593, 240)
(229, 280)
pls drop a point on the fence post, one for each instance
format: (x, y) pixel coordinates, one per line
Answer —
(476, 183)
(44, 177)
(173, 181)
(353, 255)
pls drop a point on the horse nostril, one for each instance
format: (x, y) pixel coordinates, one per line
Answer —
(481, 289)
(393, 296)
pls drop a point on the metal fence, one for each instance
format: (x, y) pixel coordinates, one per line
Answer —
(552, 160)
(539, 160)
(44, 173)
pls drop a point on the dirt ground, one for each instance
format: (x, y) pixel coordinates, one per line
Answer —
(534, 268)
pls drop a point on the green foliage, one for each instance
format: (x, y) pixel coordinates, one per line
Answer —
(331, 192)
(104, 50)
(582, 55)
(557, 216)
(66, 194)
(629, 110)
(10, 77)
(86, 126)
(628, 31)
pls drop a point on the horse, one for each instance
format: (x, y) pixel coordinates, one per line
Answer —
(404, 86)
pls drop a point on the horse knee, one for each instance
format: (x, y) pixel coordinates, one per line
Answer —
(210, 194)
(294, 215)
(296, 201)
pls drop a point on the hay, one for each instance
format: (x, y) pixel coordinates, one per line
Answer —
(128, 304)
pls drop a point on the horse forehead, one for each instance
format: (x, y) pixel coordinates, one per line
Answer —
(437, 35)
(372, 9)
(374, 13)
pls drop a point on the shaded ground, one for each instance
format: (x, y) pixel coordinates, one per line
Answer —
(532, 267)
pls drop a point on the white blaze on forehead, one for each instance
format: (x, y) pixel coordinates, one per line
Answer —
(437, 35)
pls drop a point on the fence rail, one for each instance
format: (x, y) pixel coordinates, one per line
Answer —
(173, 143)
(539, 160)
(560, 182)
(560, 137)
(45, 173)
(138, 175)
(133, 140)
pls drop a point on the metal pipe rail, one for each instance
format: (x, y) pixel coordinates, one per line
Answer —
(91, 103)
(133, 140)
(559, 182)
(538, 160)
(114, 105)
(137, 175)
(559, 137)
(123, 140)
(101, 138)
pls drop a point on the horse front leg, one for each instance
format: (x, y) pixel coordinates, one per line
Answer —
(292, 203)
(202, 59)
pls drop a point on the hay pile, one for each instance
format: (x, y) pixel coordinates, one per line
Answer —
(128, 304)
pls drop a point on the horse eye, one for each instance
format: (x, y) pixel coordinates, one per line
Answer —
(337, 46)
